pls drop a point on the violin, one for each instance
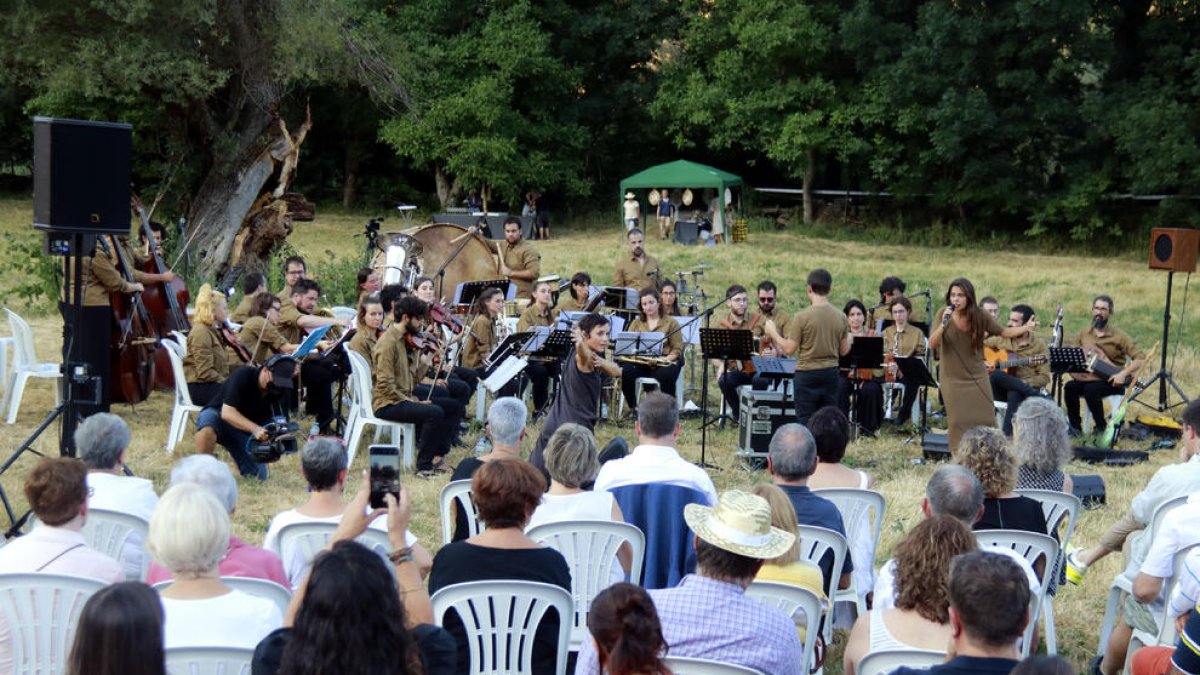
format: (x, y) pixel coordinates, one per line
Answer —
(423, 341)
(232, 341)
(440, 313)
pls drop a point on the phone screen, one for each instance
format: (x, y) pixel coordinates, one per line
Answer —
(385, 473)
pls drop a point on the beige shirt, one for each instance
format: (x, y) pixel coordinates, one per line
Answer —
(262, 338)
(101, 277)
(206, 360)
(521, 257)
(392, 370)
(1036, 375)
(911, 342)
(1115, 343)
(242, 312)
(289, 324)
(364, 341)
(818, 332)
(479, 342)
(666, 324)
(633, 273)
(531, 317)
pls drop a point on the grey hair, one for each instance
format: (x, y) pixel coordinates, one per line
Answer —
(210, 472)
(506, 420)
(793, 452)
(954, 491)
(1040, 438)
(571, 455)
(101, 439)
(322, 460)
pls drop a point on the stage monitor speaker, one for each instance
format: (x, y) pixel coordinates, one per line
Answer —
(1090, 490)
(1174, 249)
(935, 447)
(81, 176)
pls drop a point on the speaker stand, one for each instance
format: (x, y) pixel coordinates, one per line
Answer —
(1163, 376)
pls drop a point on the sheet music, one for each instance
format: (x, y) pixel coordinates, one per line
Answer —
(639, 344)
(691, 329)
(505, 372)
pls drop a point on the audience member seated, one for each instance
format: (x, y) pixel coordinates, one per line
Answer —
(120, 632)
(101, 441)
(982, 451)
(708, 615)
(506, 430)
(791, 459)
(921, 616)
(1041, 446)
(953, 491)
(572, 463)
(787, 568)
(351, 615)
(655, 459)
(56, 490)
(189, 533)
(1043, 664)
(1184, 657)
(626, 635)
(831, 431)
(1172, 481)
(323, 463)
(506, 491)
(241, 559)
(989, 607)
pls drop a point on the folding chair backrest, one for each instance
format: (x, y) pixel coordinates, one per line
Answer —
(815, 542)
(1059, 508)
(42, 611)
(682, 665)
(120, 536)
(590, 547)
(801, 604)
(885, 662)
(458, 491)
(209, 661)
(261, 588)
(500, 618)
(1161, 511)
(299, 544)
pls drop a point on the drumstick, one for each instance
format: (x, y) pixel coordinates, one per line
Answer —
(459, 237)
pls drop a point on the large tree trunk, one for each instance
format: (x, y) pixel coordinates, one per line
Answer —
(447, 187)
(809, 176)
(350, 184)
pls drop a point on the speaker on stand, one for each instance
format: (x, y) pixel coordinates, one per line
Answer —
(1174, 250)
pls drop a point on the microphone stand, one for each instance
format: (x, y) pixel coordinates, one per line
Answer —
(440, 275)
(704, 423)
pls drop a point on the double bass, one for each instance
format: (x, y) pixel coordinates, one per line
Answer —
(134, 339)
(165, 302)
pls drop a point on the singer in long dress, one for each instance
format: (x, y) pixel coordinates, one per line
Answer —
(963, 377)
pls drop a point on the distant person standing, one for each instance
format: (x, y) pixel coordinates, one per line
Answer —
(633, 211)
(473, 202)
(666, 215)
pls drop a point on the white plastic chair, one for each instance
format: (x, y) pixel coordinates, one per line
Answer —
(42, 611)
(458, 491)
(175, 345)
(1166, 633)
(25, 365)
(259, 588)
(814, 542)
(7, 344)
(683, 665)
(209, 661)
(120, 536)
(344, 313)
(500, 618)
(884, 662)
(1056, 506)
(403, 433)
(590, 547)
(1123, 585)
(184, 407)
(1031, 546)
(799, 603)
(180, 339)
(308, 539)
(859, 509)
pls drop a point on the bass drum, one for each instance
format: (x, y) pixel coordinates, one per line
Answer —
(439, 241)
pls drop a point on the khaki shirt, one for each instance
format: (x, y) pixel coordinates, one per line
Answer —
(289, 324)
(521, 257)
(632, 273)
(100, 277)
(392, 370)
(364, 341)
(666, 324)
(285, 298)
(818, 332)
(262, 338)
(1115, 343)
(911, 342)
(242, 312)
(206, 360)
(758, 322)
(532, 317)
(1036, 376)
(479, 342)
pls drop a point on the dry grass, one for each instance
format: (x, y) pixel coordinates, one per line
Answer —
(1042, 280)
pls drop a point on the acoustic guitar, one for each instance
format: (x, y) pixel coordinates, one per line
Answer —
(998, 359)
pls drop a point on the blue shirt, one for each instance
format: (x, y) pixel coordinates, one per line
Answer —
(964, 665)
(817, 511)
(710, 619)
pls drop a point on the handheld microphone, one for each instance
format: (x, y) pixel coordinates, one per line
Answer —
(946, 316)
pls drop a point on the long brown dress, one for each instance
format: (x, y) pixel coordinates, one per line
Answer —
(963, 379)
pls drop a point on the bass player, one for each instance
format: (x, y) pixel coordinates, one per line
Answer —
(1115, 347)
(1028, 376)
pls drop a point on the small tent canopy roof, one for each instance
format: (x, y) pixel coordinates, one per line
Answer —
(681, 174)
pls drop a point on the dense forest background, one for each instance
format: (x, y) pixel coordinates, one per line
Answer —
(1042, 118)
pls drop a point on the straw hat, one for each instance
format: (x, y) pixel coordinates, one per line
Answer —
(630, 195)
(687, 197)
(739, 523)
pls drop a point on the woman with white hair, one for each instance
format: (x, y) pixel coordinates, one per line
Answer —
(189, 533)
(506, 419)
(1041, 446)
(241, 559)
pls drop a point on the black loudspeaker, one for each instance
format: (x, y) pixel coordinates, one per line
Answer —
(1090, 490)
(1174, 249)
(935, 447)
(81, 176)
(1109, 457)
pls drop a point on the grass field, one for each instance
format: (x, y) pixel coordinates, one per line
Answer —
(1045, 281)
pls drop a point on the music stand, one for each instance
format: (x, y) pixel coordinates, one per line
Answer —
(917, 375)
(1067, 360)
(724, 344)
(616, 297)
(548, 343)
(467, 292)
(510, 346)
(865, 352)
(638, 344)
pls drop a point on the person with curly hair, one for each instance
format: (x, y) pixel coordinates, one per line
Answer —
(1042, 446)
(626, 632)
(984, 452)
(921, 617)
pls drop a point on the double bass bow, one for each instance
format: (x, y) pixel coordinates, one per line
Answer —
(165, 301)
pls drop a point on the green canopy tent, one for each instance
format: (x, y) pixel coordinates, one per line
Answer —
(681, 174)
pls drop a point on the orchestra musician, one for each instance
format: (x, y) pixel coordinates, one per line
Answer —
(963, 378)
(1117, 348)
(142, 253)
(817, 336)
(520, 263)
(991, 306)
(394, 365)
(670, 298)
(368, 282)
(485, 333)
(580, 293)
(637, 269)
(734, 373)
(539, 314)
(368, 323)
(260, 332)
(206, 364)
(1025, 380)
(253, 284)
(890, 288)
(650, 319)
(317, 375)
(459, 381)
(869, 400)
(294, 269)
(768, 310)
(905, 340)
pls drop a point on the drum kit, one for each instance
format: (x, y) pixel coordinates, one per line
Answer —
(696, 298)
